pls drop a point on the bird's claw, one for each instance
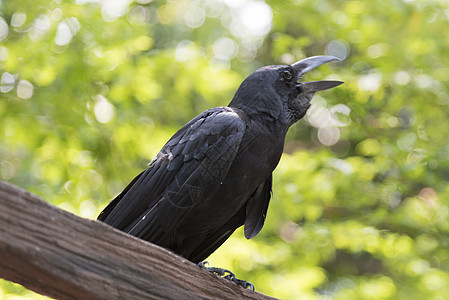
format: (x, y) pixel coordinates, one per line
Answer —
(226, 274)
(245, 284)
(219, 271)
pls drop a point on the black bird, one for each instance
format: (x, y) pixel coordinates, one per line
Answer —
(215, 174)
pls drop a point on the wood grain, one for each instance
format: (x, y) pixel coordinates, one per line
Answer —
(58, 254)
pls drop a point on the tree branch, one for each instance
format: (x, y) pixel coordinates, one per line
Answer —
(58, 254)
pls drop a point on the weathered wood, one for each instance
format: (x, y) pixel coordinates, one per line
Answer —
(58, 254)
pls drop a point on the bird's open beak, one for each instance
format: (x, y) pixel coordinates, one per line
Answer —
(305, 65)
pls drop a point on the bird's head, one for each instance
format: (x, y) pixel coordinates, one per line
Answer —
(277, 92)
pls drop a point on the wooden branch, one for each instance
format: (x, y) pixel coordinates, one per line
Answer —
(58, 254)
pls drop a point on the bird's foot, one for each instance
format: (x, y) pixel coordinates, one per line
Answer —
(226, 274)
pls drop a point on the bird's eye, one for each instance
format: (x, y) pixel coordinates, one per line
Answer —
(287, 74)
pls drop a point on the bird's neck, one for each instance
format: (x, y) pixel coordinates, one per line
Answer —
(267, 117)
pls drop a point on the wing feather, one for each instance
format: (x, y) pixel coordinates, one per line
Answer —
(256, 208)
(189, 167)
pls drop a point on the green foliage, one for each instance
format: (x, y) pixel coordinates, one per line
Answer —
(90, 91)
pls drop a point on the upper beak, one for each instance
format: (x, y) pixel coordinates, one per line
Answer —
(305, 65)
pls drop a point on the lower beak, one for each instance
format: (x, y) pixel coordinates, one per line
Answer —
(315, 86)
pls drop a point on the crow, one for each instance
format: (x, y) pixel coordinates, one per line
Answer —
(215, 174)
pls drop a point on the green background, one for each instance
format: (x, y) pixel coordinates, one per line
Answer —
(90, 91)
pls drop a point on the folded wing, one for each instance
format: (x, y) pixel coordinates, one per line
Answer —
(189, 167)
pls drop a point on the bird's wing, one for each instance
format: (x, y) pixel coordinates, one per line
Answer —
(256, 208)
(108, 209)
(189, 167)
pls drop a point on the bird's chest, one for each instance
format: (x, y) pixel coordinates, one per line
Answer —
(257, 157)
(262, 148)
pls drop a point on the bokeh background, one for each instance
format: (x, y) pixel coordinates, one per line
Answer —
(91, 90)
